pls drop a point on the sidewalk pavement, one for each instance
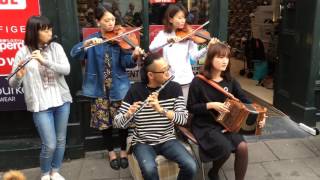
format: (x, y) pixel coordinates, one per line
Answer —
(280, 159)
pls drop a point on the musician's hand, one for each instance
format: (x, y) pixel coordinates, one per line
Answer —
(138, 52)
(218, 106)
(213, 41)
(133, 108)
(37, 56)
(22, 71)
(262, 123)
(92, 41)
(154, 102)
(173, 39)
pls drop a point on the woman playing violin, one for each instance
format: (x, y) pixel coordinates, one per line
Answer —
(106, 80)
(179, 54)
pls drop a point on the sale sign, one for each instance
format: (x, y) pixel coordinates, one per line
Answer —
(14, 15)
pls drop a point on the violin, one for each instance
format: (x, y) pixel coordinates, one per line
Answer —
(126, 41)
(199, 36)
(121, 37)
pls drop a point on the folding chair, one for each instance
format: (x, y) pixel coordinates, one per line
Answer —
(192, 141)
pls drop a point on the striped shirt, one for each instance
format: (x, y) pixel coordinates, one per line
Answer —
(152, 127)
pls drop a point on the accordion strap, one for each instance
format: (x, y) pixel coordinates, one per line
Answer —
(218, 87)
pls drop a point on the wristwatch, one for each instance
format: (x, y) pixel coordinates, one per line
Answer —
(164, 111)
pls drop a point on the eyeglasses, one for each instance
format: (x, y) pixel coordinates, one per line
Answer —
(162, 72)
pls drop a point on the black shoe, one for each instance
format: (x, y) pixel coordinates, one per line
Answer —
(114, 164)
(213, 176)
(124, 162)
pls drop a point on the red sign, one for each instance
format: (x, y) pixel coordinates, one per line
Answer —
(153, 31)
(161, 1)
(13, 18)
(14, 15)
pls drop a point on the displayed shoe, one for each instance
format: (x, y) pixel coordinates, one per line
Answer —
(45, 177)
(124, 162)
(114, 164)
(56, 176)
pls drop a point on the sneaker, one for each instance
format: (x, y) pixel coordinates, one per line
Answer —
(45, 177)
(56, 176)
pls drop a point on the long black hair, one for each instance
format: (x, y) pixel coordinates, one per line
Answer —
(145, 67)
(34, 25)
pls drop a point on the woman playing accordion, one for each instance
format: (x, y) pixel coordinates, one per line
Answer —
(206, 103)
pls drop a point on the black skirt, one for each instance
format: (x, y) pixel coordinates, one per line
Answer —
(213, 144)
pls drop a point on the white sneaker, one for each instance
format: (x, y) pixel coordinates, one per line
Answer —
(56, 176)
(45, 177)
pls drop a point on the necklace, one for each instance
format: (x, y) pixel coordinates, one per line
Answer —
(217, 80)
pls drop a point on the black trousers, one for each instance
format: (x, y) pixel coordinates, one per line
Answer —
(115, 138)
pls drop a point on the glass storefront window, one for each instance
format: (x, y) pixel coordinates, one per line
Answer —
(127, 12)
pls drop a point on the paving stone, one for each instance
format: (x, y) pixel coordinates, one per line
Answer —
(254, 172)
(94, 169)
(32, 173)
(290, 170)
(259, 152)
(71, 170)
(290, 149)
(125, 173)
(313, 145)
(313, 164)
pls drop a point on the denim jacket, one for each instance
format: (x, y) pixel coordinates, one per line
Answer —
(93, 83)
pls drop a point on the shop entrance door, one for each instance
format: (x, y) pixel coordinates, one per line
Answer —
(297, 81)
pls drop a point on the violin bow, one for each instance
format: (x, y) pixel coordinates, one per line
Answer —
(113, 38)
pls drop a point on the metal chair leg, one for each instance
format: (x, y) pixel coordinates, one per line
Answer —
(199, 163)
(203, 173)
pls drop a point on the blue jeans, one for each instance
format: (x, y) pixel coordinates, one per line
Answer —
(52, 128)
(172, 150)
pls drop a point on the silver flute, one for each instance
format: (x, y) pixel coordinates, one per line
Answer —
(145, 102)
(28, 59)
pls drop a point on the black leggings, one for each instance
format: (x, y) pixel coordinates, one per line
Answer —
(111, 141)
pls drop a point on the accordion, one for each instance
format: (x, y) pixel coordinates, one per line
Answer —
(242, 118)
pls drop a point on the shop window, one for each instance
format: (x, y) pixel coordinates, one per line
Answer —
(127, 12)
